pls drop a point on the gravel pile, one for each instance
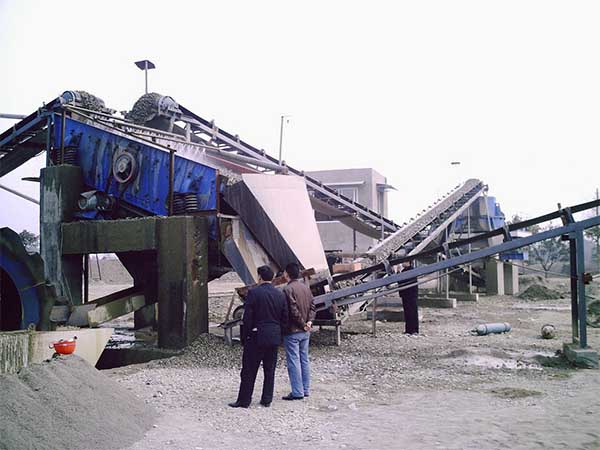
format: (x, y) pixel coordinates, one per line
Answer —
(145, 109)
(89, 101)
(540, 292)
(112, 271)
(65, 403)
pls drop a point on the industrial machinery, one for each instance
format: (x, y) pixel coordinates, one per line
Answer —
(172, 195)
(181, 201)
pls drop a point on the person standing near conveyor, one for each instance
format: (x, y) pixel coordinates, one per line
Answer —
(409, 302)
(265, 319)
(301, 308)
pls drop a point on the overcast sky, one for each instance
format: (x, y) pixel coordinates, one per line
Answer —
(510, 89)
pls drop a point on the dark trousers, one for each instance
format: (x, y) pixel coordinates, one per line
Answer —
(411, 312)
(252, 357)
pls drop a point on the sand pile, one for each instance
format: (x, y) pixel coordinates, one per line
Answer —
(112, 271)
(66, 403)
(540, 292)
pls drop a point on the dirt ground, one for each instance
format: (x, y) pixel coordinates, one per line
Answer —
(444, 389)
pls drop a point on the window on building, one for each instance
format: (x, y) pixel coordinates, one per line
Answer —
(349, 192)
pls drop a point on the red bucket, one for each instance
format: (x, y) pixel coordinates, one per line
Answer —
(64, 346)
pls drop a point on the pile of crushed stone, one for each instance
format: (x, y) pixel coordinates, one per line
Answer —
(66, 403)
(540, 292)
(90, 101)
(144, 109)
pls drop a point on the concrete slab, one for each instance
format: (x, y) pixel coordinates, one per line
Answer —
(109, 236)
(19, 349)
(277, 210)
(581, 357)
(436, 302)
(465, 297)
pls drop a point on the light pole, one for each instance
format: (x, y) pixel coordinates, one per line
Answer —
(145, 65)
(284, 116)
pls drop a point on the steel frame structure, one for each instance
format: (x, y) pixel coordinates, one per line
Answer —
(194, 131)
(571, 230)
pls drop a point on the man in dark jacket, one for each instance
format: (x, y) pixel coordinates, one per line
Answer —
(265, 318)
(409, 302)
(301, 308)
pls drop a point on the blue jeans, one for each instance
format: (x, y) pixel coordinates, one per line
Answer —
(298, 365)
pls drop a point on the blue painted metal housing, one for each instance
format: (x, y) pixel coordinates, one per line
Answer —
(27, 274)
(149, 187)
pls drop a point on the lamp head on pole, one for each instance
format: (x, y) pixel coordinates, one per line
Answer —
(145, 65)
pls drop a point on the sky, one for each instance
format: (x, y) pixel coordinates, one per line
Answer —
(510, 89)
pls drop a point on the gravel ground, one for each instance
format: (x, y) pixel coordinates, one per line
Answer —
(443, 389)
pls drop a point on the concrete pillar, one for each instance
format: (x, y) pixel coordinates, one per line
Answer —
(141, 265)
(182, 286)
(60, 187)
(494, 277)
(511, 279)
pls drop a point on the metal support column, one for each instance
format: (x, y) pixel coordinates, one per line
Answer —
(86, 278)
(469, 237)
(171, 180)
(574, 307)
(447, 273)
(63, 130)
(581, 288)
(374, 310)
(48, 139)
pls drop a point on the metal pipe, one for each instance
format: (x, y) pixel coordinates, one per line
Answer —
(17, 193)
(171, 179)
(280, 139)
(98, 264)
(146, 74)
(489, 328)
(12, 116)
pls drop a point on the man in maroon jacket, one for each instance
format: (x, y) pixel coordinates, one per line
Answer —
(301, 308)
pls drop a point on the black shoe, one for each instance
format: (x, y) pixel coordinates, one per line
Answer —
(265, 404)
(291, 397)
(238, 405)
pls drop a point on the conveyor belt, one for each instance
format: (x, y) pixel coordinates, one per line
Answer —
(198, 130)
(422, 230)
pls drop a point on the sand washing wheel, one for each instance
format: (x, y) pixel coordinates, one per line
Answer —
(25, 297)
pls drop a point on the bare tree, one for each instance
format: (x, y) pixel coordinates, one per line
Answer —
(549, 251)
(594, 235)
(30, 240)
